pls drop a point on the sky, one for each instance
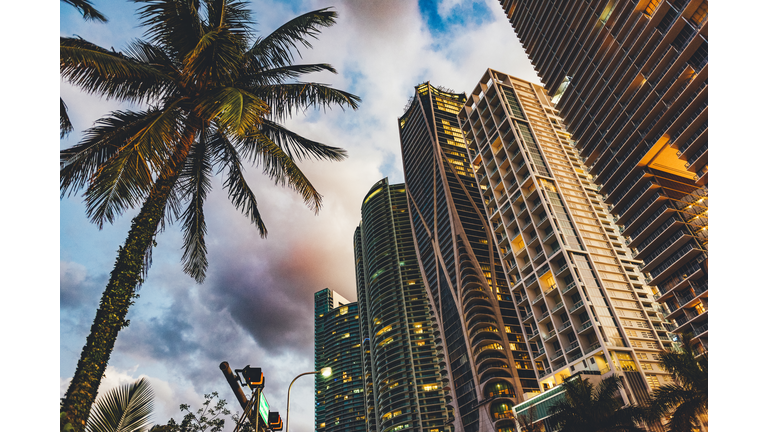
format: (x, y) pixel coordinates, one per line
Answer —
(256, 305)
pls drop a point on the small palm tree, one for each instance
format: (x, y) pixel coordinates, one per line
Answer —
(215, 98)
(686, 400)
(585, 408)
(123, 409)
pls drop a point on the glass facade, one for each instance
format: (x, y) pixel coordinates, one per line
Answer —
(339, 403)
(402, 380)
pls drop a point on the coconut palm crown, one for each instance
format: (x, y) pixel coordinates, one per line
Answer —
(215, 97)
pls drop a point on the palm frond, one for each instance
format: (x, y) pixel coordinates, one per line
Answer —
(156, 57)
(174, 25)
(101, 143)
(235, 110)
(281, 168)
(194, 185)
(606, 392)
(686, 416)
(239, 192)
(288, 99)
(125, 179)
(665, 398)
(123, 409)
(298, 147)
(277, 48)
(65, 126)
(232, 15)
(217, 56)
(87, 10)
(257, 77)
(108, 73)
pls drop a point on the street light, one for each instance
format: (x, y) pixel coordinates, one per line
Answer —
(324, 372)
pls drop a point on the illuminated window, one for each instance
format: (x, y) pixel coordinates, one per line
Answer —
(384, 330)
(343, 310)
(653, 381)
(345, 335)
(431, 387)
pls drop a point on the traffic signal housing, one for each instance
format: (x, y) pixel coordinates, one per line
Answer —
(275, 421)
(253, 377)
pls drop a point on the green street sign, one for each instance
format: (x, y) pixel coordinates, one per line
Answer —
(263, 408)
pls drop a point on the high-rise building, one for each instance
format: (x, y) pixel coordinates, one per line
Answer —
(630, 80)
(486, 360)
(339, 404)
(583, 302)
(404, 390)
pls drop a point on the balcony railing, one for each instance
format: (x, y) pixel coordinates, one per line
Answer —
(698, 330)
(585, 326)
(570, 286)
(578, 304)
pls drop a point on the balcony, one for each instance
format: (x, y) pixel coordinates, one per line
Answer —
(542, 317)
(557, 307)
(564, 326)
(576, 306)
(700, 330)
(548, 336)
(574, 345)
(585, 326)
(570, 286)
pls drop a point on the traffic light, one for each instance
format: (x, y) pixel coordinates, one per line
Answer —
(275, 421)
(252, 376)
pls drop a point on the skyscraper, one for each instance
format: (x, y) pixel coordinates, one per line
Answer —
(403, 386)
(339, 404)
(582, 300)
(630, 80)
(487, 362)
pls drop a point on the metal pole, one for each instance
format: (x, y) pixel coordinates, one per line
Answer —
(232, 380)
(288, 407)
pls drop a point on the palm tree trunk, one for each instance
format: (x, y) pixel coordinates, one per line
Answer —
(115, 301)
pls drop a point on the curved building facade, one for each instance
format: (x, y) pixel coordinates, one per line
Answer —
(487, 361)
(403, 386)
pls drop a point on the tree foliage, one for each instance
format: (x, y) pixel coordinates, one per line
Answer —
(123, 409)
(586, 408)
(208, 418)
(686, 400)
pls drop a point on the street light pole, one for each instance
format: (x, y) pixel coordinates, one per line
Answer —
(325, 372)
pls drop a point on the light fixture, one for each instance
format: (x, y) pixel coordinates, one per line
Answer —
(324, 372)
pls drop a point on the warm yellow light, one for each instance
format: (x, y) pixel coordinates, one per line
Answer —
(326, 372)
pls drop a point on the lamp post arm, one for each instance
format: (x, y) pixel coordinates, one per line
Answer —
(288, 405)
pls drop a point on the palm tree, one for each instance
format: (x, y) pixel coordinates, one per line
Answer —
(686, 399)
(585, 408)
(123, 409)
(215, 98)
